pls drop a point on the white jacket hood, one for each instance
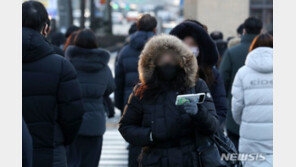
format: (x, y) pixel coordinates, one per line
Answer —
(261, 60)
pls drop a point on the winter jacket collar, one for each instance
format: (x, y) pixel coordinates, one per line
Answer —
(139, 38)
(160, 44)
(261, 60)
(89, 60)
(208, 50)
(34, 45)
(248, 38)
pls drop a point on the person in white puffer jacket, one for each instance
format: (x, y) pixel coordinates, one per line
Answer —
(252, 107)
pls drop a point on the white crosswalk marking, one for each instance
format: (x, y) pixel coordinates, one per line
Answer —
(114, 151)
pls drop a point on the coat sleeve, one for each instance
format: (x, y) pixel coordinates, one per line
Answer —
(225, 70)
(109, 105)
(110, 83)
(206, 120)
(237, 103)
(219, 96)
(119, 81)
(130, 123)
(70, 106)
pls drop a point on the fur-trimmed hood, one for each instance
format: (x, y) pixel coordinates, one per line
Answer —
(89, 60)
(208, 51)
(160, 44)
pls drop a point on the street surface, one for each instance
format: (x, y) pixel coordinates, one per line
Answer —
(114, 151)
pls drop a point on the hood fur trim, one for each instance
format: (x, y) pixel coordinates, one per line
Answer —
(160, 44)
(208, 54)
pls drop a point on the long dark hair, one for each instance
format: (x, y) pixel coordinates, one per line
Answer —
(206, 73)
(86, 39)
(155, 86)
(261, 40)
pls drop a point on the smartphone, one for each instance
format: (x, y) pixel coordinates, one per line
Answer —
(197, 98)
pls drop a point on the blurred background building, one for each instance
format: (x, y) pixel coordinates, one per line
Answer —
(226, 15)
(116, 16)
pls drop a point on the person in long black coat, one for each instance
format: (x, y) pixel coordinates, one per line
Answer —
(151, 120)
(196, 37)
(51, 95)
(233, 59)
(126, 77)
(126, 70)
(51, 103)
(96, 81)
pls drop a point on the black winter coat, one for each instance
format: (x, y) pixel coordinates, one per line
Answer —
(96, 81)
(172, 128)
(233, 59)
(27, 146)
(52, 106)
(126, 69)
(218, 93)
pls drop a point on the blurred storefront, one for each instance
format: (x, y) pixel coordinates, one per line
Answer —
(227, 15)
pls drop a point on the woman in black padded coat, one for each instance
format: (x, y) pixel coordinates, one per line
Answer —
(97, 83)
(151, 119)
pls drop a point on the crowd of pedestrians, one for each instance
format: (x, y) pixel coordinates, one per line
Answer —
(67, 82)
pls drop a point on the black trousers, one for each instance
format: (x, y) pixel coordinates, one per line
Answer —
(85, 151)
(234, 138)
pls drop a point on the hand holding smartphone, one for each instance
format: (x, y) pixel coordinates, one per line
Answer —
(197, 98)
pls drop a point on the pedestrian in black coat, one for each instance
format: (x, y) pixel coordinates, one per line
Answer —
(51, 103)
(96, 81)
(234, 58)
(126, 70)
(151, 119)
(194, 35)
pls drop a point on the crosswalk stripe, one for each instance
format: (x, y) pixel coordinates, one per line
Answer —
(114, 150)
